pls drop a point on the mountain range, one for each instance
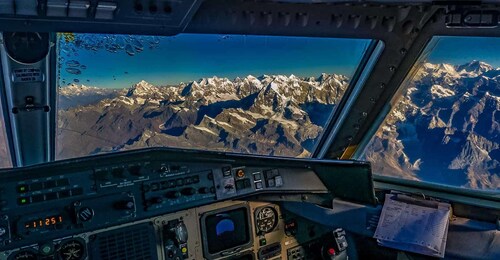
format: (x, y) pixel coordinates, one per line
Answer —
(270, 114)
(444, 128)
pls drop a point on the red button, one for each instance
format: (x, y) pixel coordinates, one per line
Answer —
(331, 251)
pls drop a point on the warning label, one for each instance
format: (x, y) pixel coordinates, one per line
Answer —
(27, 75)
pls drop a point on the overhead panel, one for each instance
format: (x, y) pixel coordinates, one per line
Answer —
(112, 16)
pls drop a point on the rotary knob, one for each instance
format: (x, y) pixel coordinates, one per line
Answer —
(85, 214)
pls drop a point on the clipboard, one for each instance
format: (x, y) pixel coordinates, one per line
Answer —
(414, 225)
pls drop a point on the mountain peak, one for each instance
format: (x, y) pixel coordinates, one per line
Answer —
(142, 88)
(475, 66)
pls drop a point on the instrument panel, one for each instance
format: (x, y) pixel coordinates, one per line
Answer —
(183, 235)
(67, 210)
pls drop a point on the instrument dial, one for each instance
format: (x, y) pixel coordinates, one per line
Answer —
(72, 250)
(266, 219)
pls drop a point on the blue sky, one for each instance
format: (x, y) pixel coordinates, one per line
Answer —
(460, 50)
(189, 57)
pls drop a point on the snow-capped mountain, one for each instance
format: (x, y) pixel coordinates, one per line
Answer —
(270, 114)
(81, 95)
(445, 129)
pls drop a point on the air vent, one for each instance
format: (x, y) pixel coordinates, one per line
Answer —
(135, 242)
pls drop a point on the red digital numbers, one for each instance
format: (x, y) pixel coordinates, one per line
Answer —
(44, 222)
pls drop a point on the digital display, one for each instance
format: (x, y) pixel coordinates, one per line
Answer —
(225, 230)
(44, 222)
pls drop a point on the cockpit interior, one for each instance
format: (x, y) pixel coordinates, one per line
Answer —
(249, 129)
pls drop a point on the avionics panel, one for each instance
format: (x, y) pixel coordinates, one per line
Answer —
(183, 234)
(76, 196)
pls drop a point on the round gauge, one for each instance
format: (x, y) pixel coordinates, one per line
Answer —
(266, 219)
(24, 255)
(26, 47)
(72, 250)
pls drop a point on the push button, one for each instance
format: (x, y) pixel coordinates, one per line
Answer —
(22, 188)
(64, 194)
(37, 198)
(76, 191)
(23, 201)
(50, 184)
(51, 196)
(62, 182)
(36, 186)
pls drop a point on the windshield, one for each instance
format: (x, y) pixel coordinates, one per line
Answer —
(246, 94)
(444, 127)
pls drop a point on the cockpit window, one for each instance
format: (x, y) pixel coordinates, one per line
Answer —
(246, 94)
(5, 160)
(445, 127)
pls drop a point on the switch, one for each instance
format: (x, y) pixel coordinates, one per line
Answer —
(156, 200)
(50, 184)
(257, 176)
(57, 8)
(37, 198)
(173, 194)
(155, 186)
(203, 190)
(278, 181)
(105, 10)
(76, 191)
(36, 186)
(271, 183)
(78, 8)
(164, 185)
(118, 173)
(64, 194)
(6, 7)
(135, 170)
(226, 171)
(188, 191)
(102, 175)
(188, 180)
(125, 205)
(258, 185)
(240, 185)
(62, 182)
(26, 7)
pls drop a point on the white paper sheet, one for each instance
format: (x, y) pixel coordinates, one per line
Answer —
(413, 225)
